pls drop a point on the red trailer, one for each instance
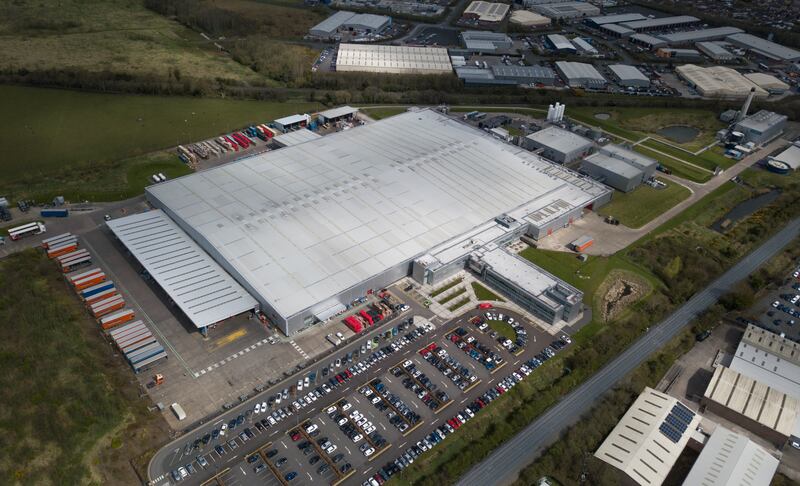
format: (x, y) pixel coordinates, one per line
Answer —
(116, 319)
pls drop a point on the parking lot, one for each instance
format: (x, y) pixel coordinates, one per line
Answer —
(364, 413)
(780, 311)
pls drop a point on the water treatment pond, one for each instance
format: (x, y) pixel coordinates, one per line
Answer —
(744, 209)
(679, 133)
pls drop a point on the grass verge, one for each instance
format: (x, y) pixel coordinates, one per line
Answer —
(384, 112)
(678, 168)
(64, 392)
(640, 206)
(444, 288)
(482, 293)
(458, 304)
(452, 296)
(503, 328)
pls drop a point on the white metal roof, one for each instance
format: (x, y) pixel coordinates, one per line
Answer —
(584, 46)
(192, 279)
(731, 459)
(527, 276)
(699, 35)
(580, 72)
(614, 165)
(487, 11)
(614, 19)
(302, 224)
(764, 47)
(561, 140)
(338, 111)
(648, 39)
(660, 22)
(770, 359)
(628, 73)
(297, 136)
(790, 157)
(645, 443)
(560, 42)
(718, 81)
(292, 119)
(332, 23)
(393, 59)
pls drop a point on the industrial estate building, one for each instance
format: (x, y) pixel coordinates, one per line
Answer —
(566, 10)
(292, 122)
(486, 12)
(718, 81)
(649, 438)
(691, 36)
(767, 82)
(580, 75)
(584, 46)
(761, 127)
(648, 41)
(309, 228)
(613, 19)
(662, 23)
(629, 76)
(342, 20)
(770, 359)
(294, 137)
(790, 157)
(485, 42)
(619, 167)
(393, 59)
(560, 43)
(558, 144)
(506, 75)
(334, 115)
(763, 47)
(715, 51)
(527, 18)
(729, 458)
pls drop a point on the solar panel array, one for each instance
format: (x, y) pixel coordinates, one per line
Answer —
(676, 423)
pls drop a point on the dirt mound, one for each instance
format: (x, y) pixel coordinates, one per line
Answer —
(619, 290)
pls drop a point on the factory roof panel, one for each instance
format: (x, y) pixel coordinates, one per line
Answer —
(632, 157)
(614, 19)
(767, 81)
(762, 120)
(699, 35)
(395, 59)
(332, 23)
(303, 224)
(560, 140)
(560, 42)
(612, 164)
(487, 11)
(523, 273)
(196, 283)
(526, 17)
(729, 458)
(770, 359)
(649, 438)
(755, 400)
(539, 72)
(295, 137)
(292, 119)
(338, 112)
(583, 45)
(718, 81)
(625, 72)
(764, 47)
(790, 157)
(660, 22)
(579, 70)
(369, 21)
(649, 39)
(713, 49)
(618, 29)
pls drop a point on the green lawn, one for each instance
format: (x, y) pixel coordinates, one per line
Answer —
(639, 207)
(503, 328)
(458, 303)
(482, 293)
(55, 136)
(453, 295)
(678, 168)
(708, 159)
(444, 288)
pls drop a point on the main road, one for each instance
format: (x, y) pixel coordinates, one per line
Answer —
(503, 465)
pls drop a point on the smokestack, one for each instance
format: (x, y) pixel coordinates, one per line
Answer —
(746, 106)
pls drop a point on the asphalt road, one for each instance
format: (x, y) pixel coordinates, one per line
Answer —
(503, 465)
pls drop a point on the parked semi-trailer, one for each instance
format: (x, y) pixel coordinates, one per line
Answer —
(54, 213)
(123, 331)
(63, 249)
(144, 353)
(88, 292)
(79, 276)
(145, 364)
(54, 240)
(117, 318)
(73, 265)
(107, 306)
(90, 281)
(106, 294)
(136, 342)
(73, 254)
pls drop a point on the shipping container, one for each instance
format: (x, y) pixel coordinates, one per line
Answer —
(100, 296)
(107, 307)
(77, 276)
(73, 265)
(133, 337)
(145, 364)
(144, 353)
(63, 249)
(90, 281)
(46, 243)
(88, 292)
(73, 254)
(101, 302)
(54, 213)
(122, 331)
(61, 241)
(117, 318)
(137, 342)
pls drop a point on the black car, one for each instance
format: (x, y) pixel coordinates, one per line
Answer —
(322, 469)
(313, 460)
(345, 467)
(281, 462)
(337, 458)
(252, 458)
(272, 453)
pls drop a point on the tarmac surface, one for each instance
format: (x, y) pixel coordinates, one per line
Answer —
(504, 464)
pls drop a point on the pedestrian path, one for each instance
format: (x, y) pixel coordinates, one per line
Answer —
(299, 349)
(230, 358)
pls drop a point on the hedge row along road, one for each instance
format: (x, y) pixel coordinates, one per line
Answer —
(503, 465)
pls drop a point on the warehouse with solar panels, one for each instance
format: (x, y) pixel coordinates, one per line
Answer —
(302, 231)
(374, 58)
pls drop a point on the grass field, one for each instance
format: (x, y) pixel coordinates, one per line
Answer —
(708, 159)
(635, 123)
(639, 207)
(67, 400)
(503, 328)
(386, 112)
(49, 136)
(678, 168)
(482, 293)
(119, 36)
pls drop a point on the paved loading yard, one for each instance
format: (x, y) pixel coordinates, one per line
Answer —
(204, 375)
(415, 419)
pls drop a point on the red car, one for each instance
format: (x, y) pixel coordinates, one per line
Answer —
(484, 305)
(295, 435)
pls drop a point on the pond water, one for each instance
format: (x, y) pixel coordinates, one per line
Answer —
(602, 116)
(744, 209)
(679, 133)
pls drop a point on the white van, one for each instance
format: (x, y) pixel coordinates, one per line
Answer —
(178, 411)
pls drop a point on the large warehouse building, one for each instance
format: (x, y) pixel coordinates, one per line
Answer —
(559, 145)
(729, 458)
(566, 10)
(619, 167)
(311, 227)
(580, 75)
(763, 47)
(762, 126)
(350, 21)
(375, 58)
(629, 76)
(718, 81)
(486, 12)
(485, 42)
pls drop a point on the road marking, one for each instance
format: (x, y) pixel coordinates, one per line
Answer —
(415, 404)
(465, 399)
(309, 476)
(356, 399)
(401, 445)
(242, 469)
(321, 421)
(382, 426)
(348, 450)
(368, 470)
